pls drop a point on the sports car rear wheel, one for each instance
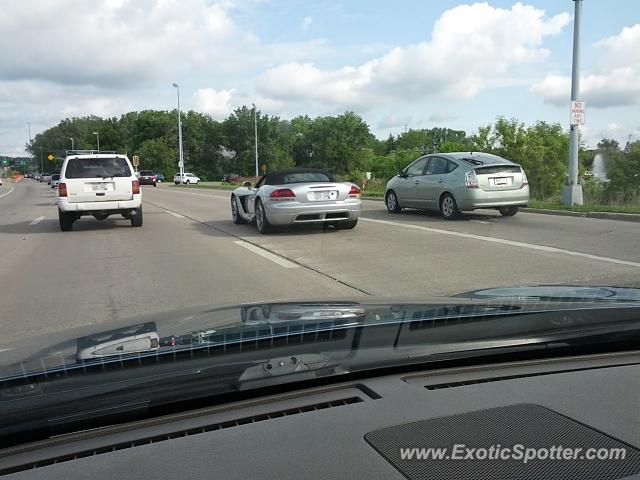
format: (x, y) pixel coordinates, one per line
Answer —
(347, 224)
(235, 211)
(262, 222)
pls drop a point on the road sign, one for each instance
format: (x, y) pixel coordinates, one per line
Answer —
(263, 168)
(136, 160)
(50, 157)
(577, 113)
(180, 164)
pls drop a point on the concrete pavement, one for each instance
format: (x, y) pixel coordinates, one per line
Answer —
(189, 253)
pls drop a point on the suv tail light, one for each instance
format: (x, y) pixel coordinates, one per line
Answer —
(355, 192)
(283, 194)
(471, 179)
(135, 187)
(525, 181)
(62, 189)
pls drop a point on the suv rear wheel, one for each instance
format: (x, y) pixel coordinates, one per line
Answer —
(136, 218)
(66, 221)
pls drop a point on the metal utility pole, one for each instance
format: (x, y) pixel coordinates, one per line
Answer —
(255, 133)
(572, 194)
(71, 138)
(41, 161)
(181, 162)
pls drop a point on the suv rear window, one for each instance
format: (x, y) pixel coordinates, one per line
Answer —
(97, 168)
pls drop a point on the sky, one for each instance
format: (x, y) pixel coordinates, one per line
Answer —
(401, 64)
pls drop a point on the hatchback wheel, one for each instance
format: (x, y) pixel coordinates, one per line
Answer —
(449, 207)
(391, 201)
(508, 211)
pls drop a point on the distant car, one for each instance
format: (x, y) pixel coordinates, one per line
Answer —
(188, 178)
(455, 182)
(159, 177)
(55, 180)
(147, 177)
(99, 185)
(298, 195)
(45, 177)
(230, 177)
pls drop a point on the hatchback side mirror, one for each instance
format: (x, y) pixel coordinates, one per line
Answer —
(402, 174)
(247, 184)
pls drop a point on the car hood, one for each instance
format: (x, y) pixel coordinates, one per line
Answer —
(218, 325)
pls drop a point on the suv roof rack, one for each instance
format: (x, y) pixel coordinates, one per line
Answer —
(92, 152)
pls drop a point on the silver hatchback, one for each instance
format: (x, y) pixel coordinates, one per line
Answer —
(455, 182)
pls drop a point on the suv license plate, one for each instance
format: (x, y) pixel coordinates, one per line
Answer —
(99, 187)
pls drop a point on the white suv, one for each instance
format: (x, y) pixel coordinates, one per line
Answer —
(100, 185)
(188, 178)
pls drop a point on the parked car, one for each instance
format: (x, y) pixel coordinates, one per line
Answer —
(188, 178)
(45, 177)
(298, 195)
(147, 177)
(55, 180)
(99, 185)
(230, 177)
(455, 182)
(159, 177)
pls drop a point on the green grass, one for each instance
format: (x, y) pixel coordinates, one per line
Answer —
(553, 205)
(210, 185)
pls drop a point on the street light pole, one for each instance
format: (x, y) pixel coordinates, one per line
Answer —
(181, 164)
(572, 194)
(97, 134)
(255, 134)
(41, 161)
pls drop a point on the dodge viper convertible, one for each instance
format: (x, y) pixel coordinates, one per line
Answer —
(297, 195)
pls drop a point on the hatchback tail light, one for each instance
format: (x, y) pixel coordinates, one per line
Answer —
(135, 187)
(355, 192)
(282, 194)
(471, 179)
(525, 180)
(62, 189)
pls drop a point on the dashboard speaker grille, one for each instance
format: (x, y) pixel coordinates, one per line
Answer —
(407, 446)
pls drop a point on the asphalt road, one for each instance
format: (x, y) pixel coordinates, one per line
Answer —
(189, 253)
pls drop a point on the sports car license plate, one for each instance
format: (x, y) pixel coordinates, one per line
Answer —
(325, 195)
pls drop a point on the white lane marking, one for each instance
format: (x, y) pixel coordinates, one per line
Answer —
(4, 350)
(5, 194)
(484, 222)
(219, 196)
(174, 214)
(502, 241)
(36, 221)
(266, 254)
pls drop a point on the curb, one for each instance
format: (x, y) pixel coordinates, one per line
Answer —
(626, 217)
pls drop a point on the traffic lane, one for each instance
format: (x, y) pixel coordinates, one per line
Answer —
(613, 238)
(403, 260)
(108, 270)
(596, 236)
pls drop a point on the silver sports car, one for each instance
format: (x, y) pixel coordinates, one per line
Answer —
(297, 195)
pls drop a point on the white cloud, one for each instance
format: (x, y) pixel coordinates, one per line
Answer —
(214, 102)
(393, 120)
(613, 83)
(306, 23)
(464, 42)
(442, 117)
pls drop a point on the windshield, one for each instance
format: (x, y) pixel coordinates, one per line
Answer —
(97, 168)
(414, 170)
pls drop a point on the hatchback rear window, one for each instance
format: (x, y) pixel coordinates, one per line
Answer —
(97, 168)
(55, 176)
(146, 173)
(498, 169)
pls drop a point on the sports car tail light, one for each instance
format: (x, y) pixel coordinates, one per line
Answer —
(355, 192)
(282, 194)
(135, 187)
(471, 179)
(62, 189)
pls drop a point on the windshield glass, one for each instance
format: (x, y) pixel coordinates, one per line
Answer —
(444, 174)
(97, 168)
